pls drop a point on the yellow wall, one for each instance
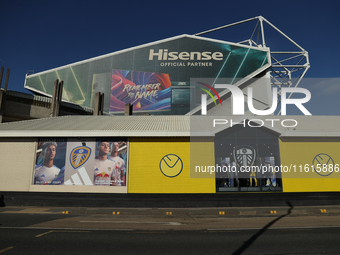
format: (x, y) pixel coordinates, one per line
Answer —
(302, 151)
(145, 158)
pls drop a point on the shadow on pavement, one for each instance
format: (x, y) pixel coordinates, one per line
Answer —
(252, 239)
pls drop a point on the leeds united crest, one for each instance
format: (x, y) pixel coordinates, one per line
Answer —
(79, 156)
(244, 155)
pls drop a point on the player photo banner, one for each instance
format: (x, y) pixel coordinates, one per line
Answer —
(94, 162)
(110, 162)
(50, 162)
(144, 90)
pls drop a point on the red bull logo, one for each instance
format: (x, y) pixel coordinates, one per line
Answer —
(103, 175)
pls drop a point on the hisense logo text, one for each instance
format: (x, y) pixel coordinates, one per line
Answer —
(164, 54)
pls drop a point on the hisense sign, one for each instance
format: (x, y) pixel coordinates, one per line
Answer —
(165, 54)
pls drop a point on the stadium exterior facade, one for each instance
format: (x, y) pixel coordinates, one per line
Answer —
(174, 149)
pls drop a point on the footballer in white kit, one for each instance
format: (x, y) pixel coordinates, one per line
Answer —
(119, 171)
(46, 173)
(104, 168)
(103, 171)
(119, 176)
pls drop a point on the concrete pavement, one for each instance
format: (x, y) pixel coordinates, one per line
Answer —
(223, 212)
(174, 218)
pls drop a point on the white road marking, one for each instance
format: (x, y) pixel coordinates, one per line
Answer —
(136, 222)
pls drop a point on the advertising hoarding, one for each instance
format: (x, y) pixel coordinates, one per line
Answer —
(144, 90)
(50, 162)
(94, 162)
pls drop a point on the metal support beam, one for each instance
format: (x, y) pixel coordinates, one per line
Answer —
(3, 92)
(2, 103)
(233, 24)
(57, 97)
(128, 109)
(286, 65)
(1, 74)
(7, 78)
(262, 32)
(98, 104)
